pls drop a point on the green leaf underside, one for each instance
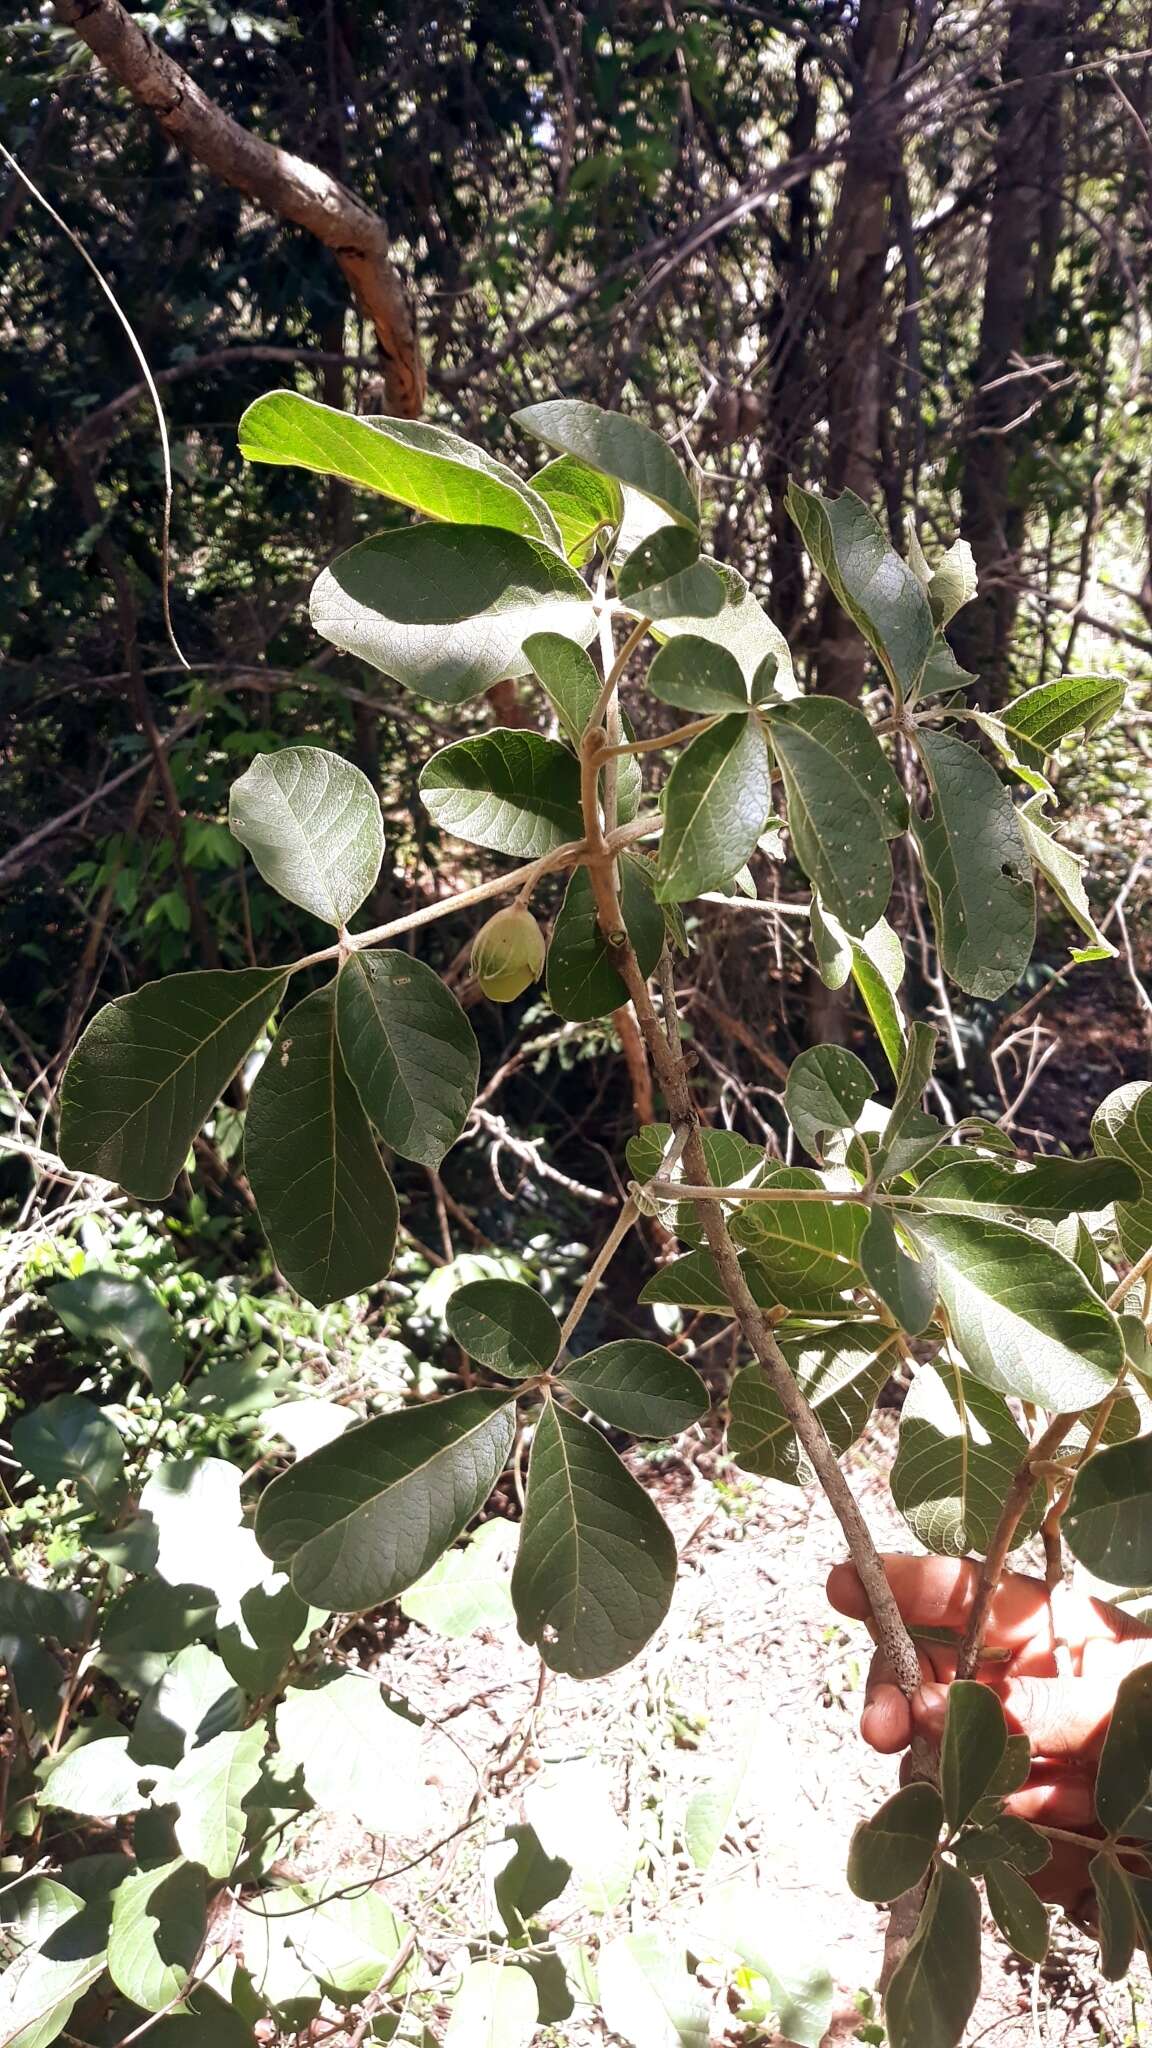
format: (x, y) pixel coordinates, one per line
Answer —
(112, 1308)
(876, 588)
(716, 800)
(934, 1988)
(802, 1247)
(616, 445)
(514, 792)
(428, 468)
(1006, 1839)
(325, 1201)
(582, 982)
(844, 804)
(581, 501)
(696, 675)
(1043, 716)
(826, 1090)
(1023, 1318)
(694, 1282)
(972, 1749)
(157, 1929)
(1063, 870)
(960, 1449)
(1122, 1129)
(638, 1386)
(408, 1050)
(596, 1568)
(889, 1853)
(1049, 1187)
(1107, 1525)
(364, 1517)
(1117, 1913)
(743, 628)
(953, 583)
(311, 822)
(445, 609)
(150, 1067)
(506, 1325)
(906, 1286)
(976, 868)
(840, 1371)
(665, 578)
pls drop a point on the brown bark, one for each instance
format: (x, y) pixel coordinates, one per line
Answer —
(276, 179)
(1017, 279)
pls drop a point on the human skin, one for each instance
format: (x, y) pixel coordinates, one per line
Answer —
(1055, 1666)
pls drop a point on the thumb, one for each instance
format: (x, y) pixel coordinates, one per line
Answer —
(1063, 1718)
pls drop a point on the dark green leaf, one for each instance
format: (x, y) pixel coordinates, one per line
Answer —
(428, 468)
(697, 675)
(716, 800)
(509, 790)
(976, 867)
(1022, 1317)
(1048, 1187)
(665, 578)
(916, 1063)
(528, 1882)
(597, 1564)
(743, 628)
(324, 1199)
(1107, 1525)
(582, 981)
(929, 2001)
(408, 1050)
(617, 446)
(1124, 1773)
(157, 1931)
(149, 1068)
(1017, 1912)
(311, 822)
(364, 1517)
(582, 501)
(960, 1450)
(506, 1325)
(891, 1852)
(568, 675)
(1117, 1916)
(446, 608)
(638, 1386)
(69, 1438)
(972, 1748)
(905, 1285)
(826, 1090)
(876, 964)
(1007, 1839)
(840, 1371)
(1063, 870)
(844, 804)
(876, 587)
(127, 1313)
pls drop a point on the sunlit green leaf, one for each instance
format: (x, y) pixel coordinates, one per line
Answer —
(1041, 717)
(976, 867)
(513, 791)
(840, 1372)
(647, 1995)
(210, 1786)
(495, 2007)
(1063, 870)
(157, 1930)
(877, 589)
(356, 1755)
(616, 445)
(311, 822)
(665, 578)
(582, 501)
(1107, 1525)
(408, 1050)
(1048, 1187)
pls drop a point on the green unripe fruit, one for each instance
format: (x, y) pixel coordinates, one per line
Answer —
(508, 954)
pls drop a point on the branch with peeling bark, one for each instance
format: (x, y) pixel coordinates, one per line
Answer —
(277, 180)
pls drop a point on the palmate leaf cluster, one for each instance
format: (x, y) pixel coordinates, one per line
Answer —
(897, 1229)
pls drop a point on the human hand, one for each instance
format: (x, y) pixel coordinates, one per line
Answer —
(1061, 1703)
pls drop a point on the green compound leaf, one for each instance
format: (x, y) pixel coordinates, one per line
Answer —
(210, 1786)
(1023, 1318)
(890, 1853)
(960, 1449)
(582, 982)
(696, 675)
(1122, 1129)
(665, 578)
(582, 501)
(1107, 1525)
(716, 800)
(445, 609)
(408, 1050)
(363, 1518)
(71, 1438)
(427, 468)
(618, 447)
(826, 1090)
(906, 1286)
(158, 1920)
(324, 1199)
(1049, 1187)
(512, 791)
(876, 587)
(929, 2001)
(1017, 1911)
(596, 1568)
(1117, 1915)
(638, 1386)
(1124, 1773)
(840, 1371)
(972, 1749)
(976, 867)
(505, 1325)
(149, 1068)
(1063, 870)
(844, 804)
(311, 822)
(114, 1309)
(802, 1247)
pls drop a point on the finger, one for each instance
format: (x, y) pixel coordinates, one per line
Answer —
(1057, 1799)
(937, 1592)
(1063, 1718)
(886, 1722)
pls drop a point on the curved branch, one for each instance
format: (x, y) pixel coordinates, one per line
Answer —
(282, 183)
